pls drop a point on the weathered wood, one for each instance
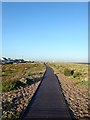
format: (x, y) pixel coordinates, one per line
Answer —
(48, 101)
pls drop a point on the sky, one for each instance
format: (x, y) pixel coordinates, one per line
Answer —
(45, 0)
(45, 31)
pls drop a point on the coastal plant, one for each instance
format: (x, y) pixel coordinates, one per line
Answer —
(77, 74)
(11, 85)
(16, 76)
(67, 72)
(8, 85)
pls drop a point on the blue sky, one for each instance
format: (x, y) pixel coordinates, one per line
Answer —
(45, 31)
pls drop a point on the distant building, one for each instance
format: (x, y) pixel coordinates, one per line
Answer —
(3, 60)
(11, 61)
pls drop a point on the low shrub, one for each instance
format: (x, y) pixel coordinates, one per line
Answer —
(8, 85)
(16, 84)
(76, 74)
(67, 72)
(11, 116)
(11, 85)
(30, 81)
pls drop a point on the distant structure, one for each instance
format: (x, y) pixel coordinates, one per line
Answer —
(5, 60)
(11, 61)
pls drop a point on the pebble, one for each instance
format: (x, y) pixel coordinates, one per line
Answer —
(19, 98)
(77, 99)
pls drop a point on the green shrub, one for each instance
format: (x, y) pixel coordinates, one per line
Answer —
(8, 85)
(16, 84)
(76, 74)
(19, 84)
(30, 81)
(11, 85)
(11, 116)
(67, 72)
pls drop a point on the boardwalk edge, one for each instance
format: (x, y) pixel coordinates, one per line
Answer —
(30, 102)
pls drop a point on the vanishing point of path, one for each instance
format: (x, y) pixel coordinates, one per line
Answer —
(48, 101)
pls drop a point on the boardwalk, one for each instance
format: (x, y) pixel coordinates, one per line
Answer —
(48, 101)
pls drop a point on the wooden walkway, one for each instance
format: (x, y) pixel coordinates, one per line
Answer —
(48, 101)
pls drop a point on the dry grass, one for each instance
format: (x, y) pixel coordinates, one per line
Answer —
(13, 73)
(80, 68)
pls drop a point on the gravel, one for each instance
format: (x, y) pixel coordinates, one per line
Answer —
(15, 102)
(76, 97)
